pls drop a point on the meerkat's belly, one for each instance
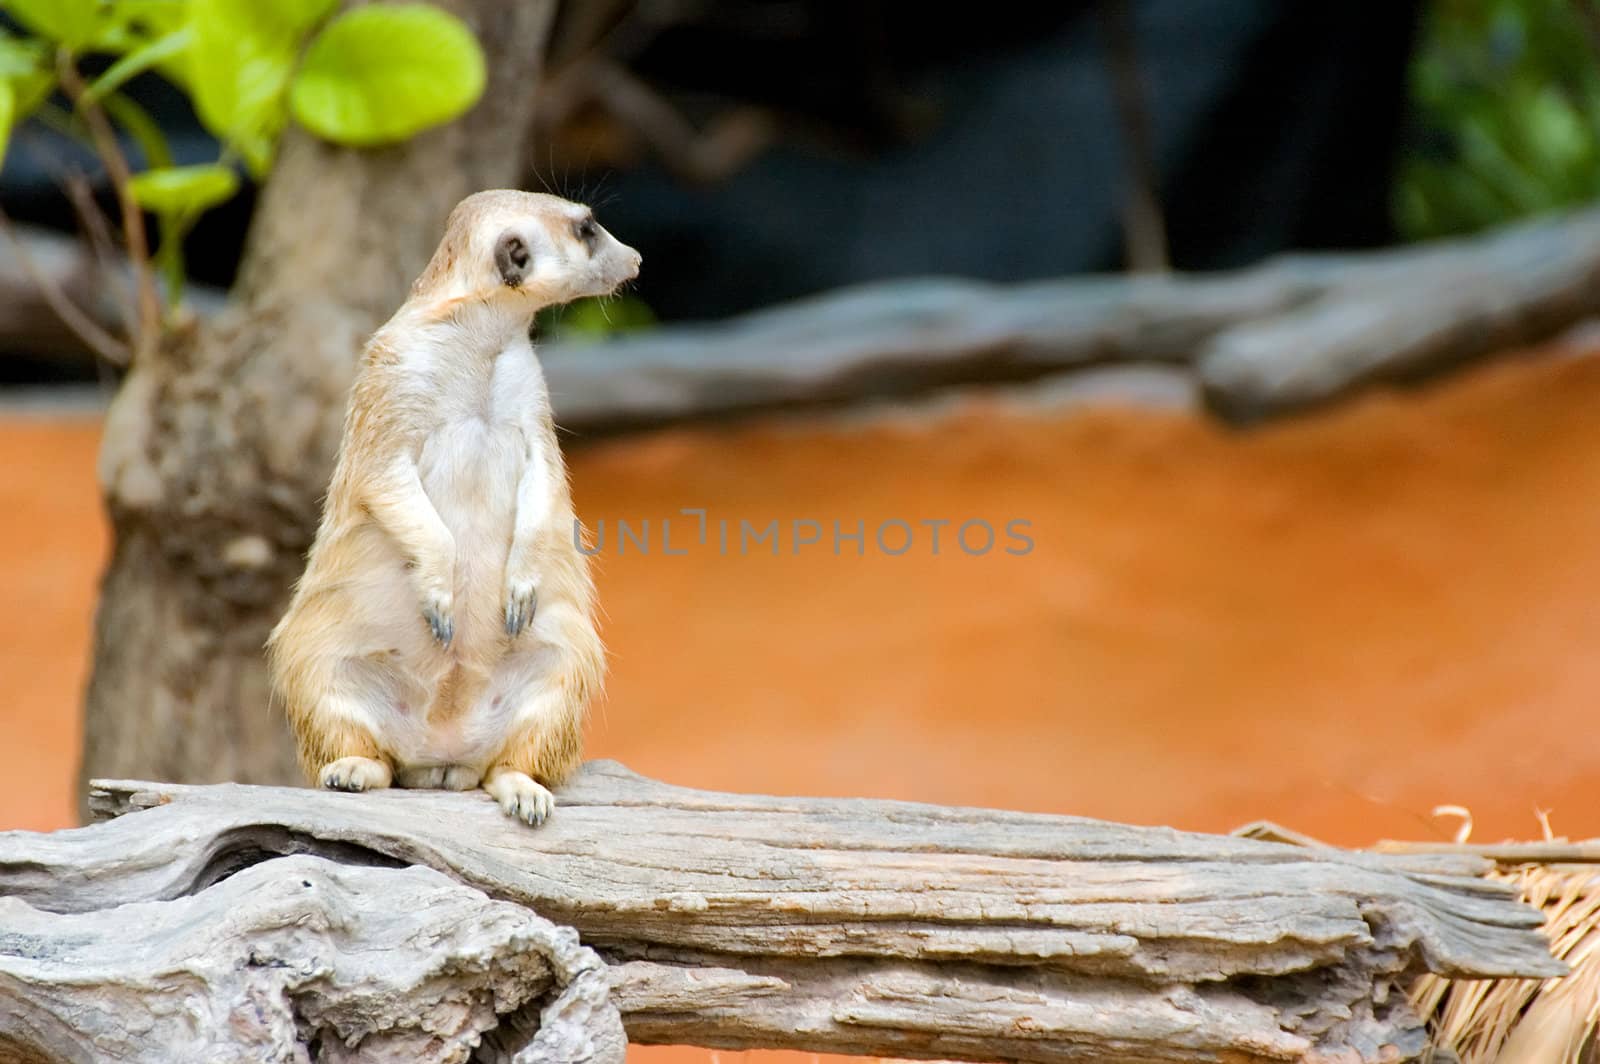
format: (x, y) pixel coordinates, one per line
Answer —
(470, 470)
(465, 697)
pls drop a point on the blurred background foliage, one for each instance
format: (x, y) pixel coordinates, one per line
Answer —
(1506, 98)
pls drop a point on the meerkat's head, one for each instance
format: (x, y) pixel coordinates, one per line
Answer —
(531, 249)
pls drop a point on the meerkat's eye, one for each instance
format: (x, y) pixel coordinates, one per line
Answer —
(585, 230)
(512, 258)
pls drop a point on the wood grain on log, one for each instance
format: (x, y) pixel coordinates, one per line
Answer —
(868, 926)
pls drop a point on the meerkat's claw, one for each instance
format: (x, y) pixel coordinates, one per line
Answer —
(355, 774)
(436, 612)
(522, 599)
(522, 797)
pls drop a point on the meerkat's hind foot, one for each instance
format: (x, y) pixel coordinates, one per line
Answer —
(521, 796)
(440, 777)
(355, 774)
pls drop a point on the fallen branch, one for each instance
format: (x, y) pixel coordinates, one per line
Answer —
(1406, 316)
(1288, 334)
(823, 924)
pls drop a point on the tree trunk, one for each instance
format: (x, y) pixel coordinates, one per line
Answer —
(218, 448)
(725, 920)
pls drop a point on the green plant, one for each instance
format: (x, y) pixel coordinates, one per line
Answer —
(1507, 100)
(595, 318)
(370, 76)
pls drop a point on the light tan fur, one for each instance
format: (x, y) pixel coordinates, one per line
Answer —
(443, 633)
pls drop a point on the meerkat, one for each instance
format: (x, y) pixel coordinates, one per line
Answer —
(443, 633)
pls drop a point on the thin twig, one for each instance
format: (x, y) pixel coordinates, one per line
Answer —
(97, 227)
(108, 261)
(105, 140)
(72, 316)
(1144, 230)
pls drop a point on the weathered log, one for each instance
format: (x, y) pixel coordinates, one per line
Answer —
(906, 337)
(1410, 317)
(362, 963)
(860, 926)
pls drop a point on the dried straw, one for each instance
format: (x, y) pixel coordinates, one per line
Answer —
(1513, 1021)
(1528, 1021)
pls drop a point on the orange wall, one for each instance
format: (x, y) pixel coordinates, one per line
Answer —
(1336, 622)
(52, 547)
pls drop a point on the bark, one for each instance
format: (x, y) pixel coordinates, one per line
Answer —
(739, 921)
(217, 450)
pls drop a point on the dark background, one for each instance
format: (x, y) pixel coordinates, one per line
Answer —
(979, 140)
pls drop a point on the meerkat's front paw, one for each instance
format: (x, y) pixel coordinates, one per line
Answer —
(438, 609)
(522, 599)
(521, 796)
(355, 774)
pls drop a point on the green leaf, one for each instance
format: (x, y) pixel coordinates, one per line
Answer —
(22, 64)
(139, 60)
(384, 73)
(180, 190)
(74, 23)
(242, 55)
(156, 17)
(8, 115)
(19, 57)
(32, 90)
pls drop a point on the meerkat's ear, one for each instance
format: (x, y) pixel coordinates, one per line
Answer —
(513, 258)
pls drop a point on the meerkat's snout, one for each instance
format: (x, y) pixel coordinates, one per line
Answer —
(618, 262)
(635, 260)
